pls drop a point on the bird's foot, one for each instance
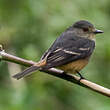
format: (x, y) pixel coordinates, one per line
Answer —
(81, 77)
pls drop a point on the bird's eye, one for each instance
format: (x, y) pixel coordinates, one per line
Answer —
(85, 29)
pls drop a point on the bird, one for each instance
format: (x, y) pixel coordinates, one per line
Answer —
(70, 52)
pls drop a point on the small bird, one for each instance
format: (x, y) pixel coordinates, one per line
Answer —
(70, 52)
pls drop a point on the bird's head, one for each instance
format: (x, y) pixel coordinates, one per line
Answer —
(85, 29)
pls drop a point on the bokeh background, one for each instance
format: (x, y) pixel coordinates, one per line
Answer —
(27, 29)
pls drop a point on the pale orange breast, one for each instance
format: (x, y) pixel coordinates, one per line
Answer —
(74, 66)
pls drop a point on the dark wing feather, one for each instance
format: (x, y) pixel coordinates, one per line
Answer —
(68, 50)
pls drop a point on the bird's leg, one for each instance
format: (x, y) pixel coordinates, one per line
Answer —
(81, 77)
(64, 72)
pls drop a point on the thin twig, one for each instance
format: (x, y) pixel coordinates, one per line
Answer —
(58, 73)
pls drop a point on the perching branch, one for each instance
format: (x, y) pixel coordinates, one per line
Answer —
(58, 73)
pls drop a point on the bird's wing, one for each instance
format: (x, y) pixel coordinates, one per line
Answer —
(68, 51)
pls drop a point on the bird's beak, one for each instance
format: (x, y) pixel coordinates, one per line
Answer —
(98, 31)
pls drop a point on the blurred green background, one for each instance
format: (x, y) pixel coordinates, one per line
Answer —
(27, 29)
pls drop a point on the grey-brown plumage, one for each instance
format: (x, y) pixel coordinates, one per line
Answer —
(70, 52)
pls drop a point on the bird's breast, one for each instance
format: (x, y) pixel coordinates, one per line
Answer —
(74, 66)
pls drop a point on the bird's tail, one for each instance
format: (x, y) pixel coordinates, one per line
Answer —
(29, 70)
(26, 72)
